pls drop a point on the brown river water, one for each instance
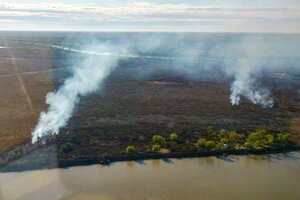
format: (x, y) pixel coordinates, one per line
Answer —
(235, 177)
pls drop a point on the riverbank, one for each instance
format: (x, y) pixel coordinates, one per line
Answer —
(50, 160)
(52, 153)
(151, 156)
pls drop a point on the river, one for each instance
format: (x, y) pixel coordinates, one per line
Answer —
(235, 177)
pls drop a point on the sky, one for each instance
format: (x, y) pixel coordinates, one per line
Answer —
(152, 15)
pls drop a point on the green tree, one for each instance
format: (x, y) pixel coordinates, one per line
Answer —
(257, 144)
(224, 141)
(269, 139)
(210, 145)
(258, 138)
(222, 134)
(201, 142)
(130, 149)
(283, 139)
(213, 136)
(173, 136)
(156, 147)
(234, 137)
(219, 146)
(158, 139)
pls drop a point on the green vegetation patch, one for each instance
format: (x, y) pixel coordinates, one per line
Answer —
(158, 139)
(155, 147)
(214, 140)
(130, 149)
(173, 136)
(231, 139)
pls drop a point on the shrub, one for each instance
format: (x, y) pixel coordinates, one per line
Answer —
(201, 142)
(219, 146)
(210, 145)
(224, 141)
(283, 138)
(257, 144)
(173, 136)
(234, 137)
(213, 136)
(222, 133)
(269, 139)
(158, 139)
(155, 147)
(257, 135)
(130, 149)
(66, 148)
(257, 139)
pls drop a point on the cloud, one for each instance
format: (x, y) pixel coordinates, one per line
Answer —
(274, 19)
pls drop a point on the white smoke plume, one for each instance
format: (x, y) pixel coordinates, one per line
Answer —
(244, 85)
(259, 96)
(87, 77)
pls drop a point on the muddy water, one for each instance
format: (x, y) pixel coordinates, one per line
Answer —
(237, 177)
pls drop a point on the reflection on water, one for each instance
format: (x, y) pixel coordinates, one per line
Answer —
(226, 177)
(155, 162)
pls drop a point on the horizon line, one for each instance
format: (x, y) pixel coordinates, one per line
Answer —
(136, 31)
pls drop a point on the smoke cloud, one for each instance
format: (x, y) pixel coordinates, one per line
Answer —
(87, 77)
(241, 58)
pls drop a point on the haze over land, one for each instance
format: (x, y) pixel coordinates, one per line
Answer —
(245, 58)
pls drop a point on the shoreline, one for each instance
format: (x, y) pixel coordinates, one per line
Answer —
(107, 160)
(152, 156)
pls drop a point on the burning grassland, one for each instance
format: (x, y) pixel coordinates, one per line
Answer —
(102, 103)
